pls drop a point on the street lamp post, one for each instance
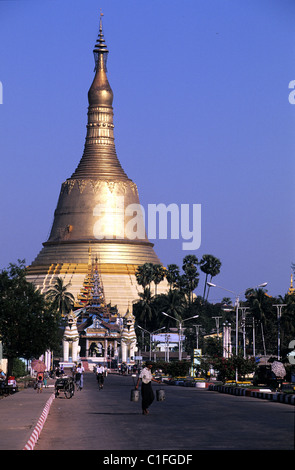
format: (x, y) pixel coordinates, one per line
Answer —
(244, 328)
(180, 327)
(167, 337)
(140, 327)
(237, 296)
(217, 325)
(279, 314)
(197, 334)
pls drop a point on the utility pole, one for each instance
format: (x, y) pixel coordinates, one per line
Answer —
(279, 314)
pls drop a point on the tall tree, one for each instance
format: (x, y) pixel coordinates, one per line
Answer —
(158, 275)
(144, 274)
(172, 303)
(190, 279)
(28, 323)
(263, 313)
(172, 275)
(62, 299)
(210, 265)
(143, 309)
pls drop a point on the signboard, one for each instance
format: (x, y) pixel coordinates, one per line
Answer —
(197, 352)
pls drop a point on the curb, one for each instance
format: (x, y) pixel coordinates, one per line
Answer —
(273, 396)
(39, 426)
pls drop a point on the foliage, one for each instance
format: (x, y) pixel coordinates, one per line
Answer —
(226, 367)
(144, 274)
(173, 368)
(19, 368)
(210, 265)
(180, 303)
(29, 325)
(62, 300)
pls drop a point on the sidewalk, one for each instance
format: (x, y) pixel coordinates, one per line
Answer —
(23, 415)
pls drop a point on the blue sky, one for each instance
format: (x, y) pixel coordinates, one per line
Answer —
(201, 116)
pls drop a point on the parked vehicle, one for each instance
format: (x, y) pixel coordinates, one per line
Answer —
(265, 376)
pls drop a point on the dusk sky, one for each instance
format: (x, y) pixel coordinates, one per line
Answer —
(201, 112)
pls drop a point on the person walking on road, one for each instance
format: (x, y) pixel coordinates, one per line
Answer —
(39, 383)
(79, 376)
(147, 393)
(100, 376)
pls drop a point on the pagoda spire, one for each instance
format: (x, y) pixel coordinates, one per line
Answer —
(99, 160)
(91, 217)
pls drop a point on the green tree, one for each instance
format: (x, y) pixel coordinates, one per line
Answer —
(210, 265)
(29, 325)
(143, 309)
(172, 275)
(287, 321)
(172, 303)
(144, 274)
(263, 313)
(62, 299)
(158, 275)
(190, 279)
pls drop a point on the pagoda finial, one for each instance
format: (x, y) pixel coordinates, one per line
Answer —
(100, 50)
(291, 288)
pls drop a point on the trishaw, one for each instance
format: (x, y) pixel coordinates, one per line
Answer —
(65, 384)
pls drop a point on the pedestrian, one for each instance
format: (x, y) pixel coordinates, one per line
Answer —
(147, 393)
(2, 379)
(100, 376)
(74, 370)
(79, 376)
(45, 379)
(39, 383)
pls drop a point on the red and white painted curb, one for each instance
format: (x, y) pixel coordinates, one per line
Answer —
(266, 394)
(39, 426)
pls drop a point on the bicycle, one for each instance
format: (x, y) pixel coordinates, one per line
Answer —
(65, 385)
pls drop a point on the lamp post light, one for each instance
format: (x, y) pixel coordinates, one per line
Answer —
(180, 327)
(244, 329)
(237, 304)
(167, 337)
(226, 340)
(197, 334)
(151, 333)
(279, 314)
(217, 325)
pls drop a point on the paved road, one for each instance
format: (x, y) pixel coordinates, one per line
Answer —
(188, 419)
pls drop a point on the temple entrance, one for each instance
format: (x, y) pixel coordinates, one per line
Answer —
(96, 349)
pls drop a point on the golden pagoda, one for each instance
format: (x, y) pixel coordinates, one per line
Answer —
(94, 210)
(291, 290)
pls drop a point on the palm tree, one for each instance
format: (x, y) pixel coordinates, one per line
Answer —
(62, 299)
(144, 274)
(173, 303)
(172, 275)
(210, 265)
(190, 279)
(259, 305)
(158, 275)
(144, 307)
(287, 319)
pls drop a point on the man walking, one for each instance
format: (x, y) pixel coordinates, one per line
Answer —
(100, 376)
(147, 393)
